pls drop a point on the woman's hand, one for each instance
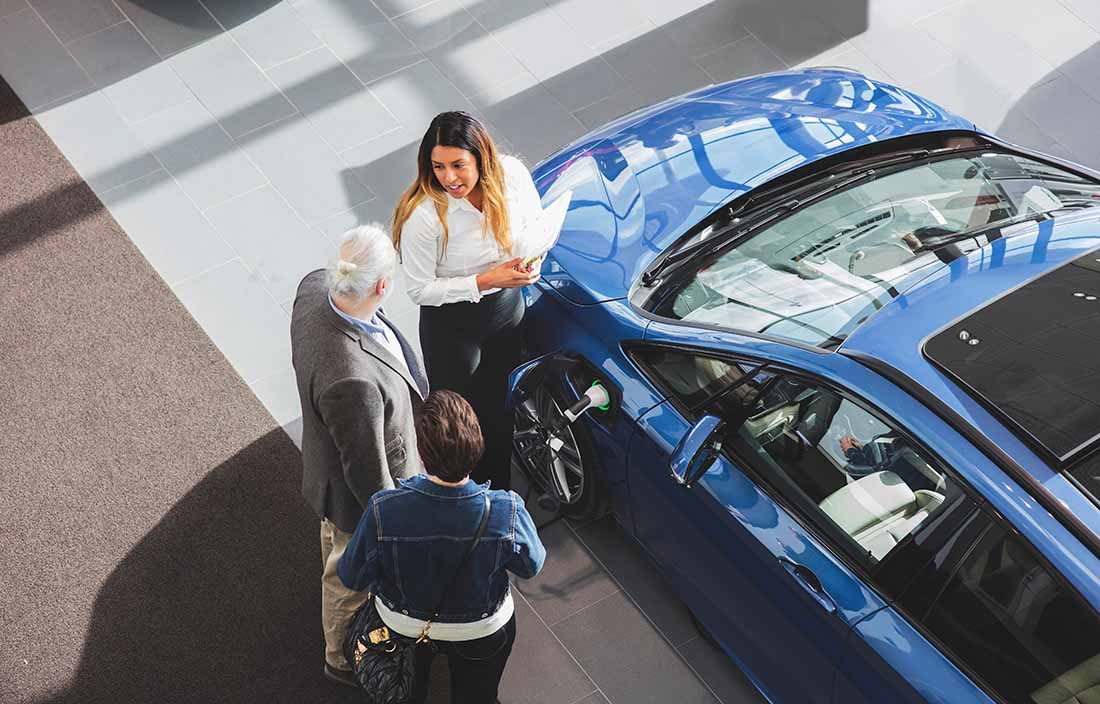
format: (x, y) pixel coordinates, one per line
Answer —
(510, 274)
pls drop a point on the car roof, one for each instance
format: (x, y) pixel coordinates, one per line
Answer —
(644, 180)
(894, 338)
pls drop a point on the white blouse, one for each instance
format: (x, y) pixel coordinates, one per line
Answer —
(434, 277)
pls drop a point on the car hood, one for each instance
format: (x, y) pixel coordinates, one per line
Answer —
(642, 181)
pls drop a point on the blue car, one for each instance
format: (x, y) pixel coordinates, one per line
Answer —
(850, 346)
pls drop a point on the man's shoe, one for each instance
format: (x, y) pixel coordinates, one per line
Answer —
(344, 677)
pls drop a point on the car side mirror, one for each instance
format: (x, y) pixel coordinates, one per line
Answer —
(697, 450)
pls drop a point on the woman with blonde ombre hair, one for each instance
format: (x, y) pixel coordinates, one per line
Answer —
(457, 229)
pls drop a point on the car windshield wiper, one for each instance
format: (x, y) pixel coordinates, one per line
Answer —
(678, 258)
(931, 244)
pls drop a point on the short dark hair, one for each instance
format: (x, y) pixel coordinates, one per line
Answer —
(448, 436)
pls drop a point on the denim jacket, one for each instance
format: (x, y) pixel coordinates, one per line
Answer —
(412, 538)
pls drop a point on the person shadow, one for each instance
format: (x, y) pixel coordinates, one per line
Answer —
(220, 601)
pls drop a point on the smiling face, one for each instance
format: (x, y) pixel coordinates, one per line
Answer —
(455, 169)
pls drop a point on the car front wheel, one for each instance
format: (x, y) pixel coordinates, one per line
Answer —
(557, 457)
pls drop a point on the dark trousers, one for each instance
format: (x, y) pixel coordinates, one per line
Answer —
(471, 348)
(476, 666)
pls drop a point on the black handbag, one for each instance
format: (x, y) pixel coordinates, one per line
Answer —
(384, 662)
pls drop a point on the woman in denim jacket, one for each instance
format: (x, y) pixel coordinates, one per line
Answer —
(412, 539)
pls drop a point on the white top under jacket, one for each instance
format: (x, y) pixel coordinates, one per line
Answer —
(412, 627)
(434, 277)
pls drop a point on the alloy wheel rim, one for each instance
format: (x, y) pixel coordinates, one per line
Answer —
(560, 471)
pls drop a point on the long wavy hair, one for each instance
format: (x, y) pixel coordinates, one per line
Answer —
(457, 129)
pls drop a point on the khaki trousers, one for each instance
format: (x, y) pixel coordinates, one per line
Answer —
(338, 603)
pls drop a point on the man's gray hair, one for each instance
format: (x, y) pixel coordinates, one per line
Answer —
(366, 257)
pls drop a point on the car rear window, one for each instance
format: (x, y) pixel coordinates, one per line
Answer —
(1031, 356)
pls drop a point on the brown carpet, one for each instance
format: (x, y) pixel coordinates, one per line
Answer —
(153, 543)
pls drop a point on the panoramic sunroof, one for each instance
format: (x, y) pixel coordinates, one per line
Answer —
(1032, 356)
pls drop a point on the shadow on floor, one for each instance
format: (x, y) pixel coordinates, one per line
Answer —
(220, 601)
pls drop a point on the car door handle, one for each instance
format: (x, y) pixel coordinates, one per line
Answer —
(809, 581)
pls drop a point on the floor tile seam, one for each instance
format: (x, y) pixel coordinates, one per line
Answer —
(9, 14)
(399, 15)
(943, 9)
(237, 196)
(597, 690)
(80, 66)
(325, 44)
(342, 212)
(610, 43)
(558, 640)
(693, 60)
(265, 280)
(337, 153)
(594, 103)
(928, 39)
(247, 55)
(427, 57)
(1022, 38)
(82, 37)
(124, 184)
(163, 56)
(213, 228)
(748, 35)
(645, 616)
(340, 153)
(596, 53)
(539, 81)
(1076, 14)
(764, 44)
(45, 107)
(687, 642)
(314, 50)
(597, 602)
(161, 111)
(130, 125)
(88, 179)
(234, 141)
(883, 74)
(306, 225)
(188, 279)
(218, 347)
(243, 135)
(392, 73)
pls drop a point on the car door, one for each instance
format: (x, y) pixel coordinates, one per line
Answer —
(773, 547)
(988, 604)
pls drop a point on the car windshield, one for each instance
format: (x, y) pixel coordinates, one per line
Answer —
(816, 274)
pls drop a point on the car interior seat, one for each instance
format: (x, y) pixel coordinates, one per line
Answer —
(1081, 685)
(879, 510)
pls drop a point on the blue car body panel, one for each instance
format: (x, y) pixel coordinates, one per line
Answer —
(691, 154)
(639, 184)
(896, 334)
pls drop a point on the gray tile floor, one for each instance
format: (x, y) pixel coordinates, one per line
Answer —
(235, 140)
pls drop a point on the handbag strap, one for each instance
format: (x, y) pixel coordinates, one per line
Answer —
(462, 563)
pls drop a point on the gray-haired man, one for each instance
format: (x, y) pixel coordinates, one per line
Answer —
(359, 381)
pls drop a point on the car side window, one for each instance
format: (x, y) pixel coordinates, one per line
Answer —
(828, 456)
(843, 464)
(694, 379)
(1007, 618)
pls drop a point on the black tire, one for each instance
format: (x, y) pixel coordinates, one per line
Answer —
(575, 462)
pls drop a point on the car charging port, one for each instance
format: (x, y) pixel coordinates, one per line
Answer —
(595, 396)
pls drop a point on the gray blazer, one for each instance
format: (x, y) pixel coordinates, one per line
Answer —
(357, 408)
